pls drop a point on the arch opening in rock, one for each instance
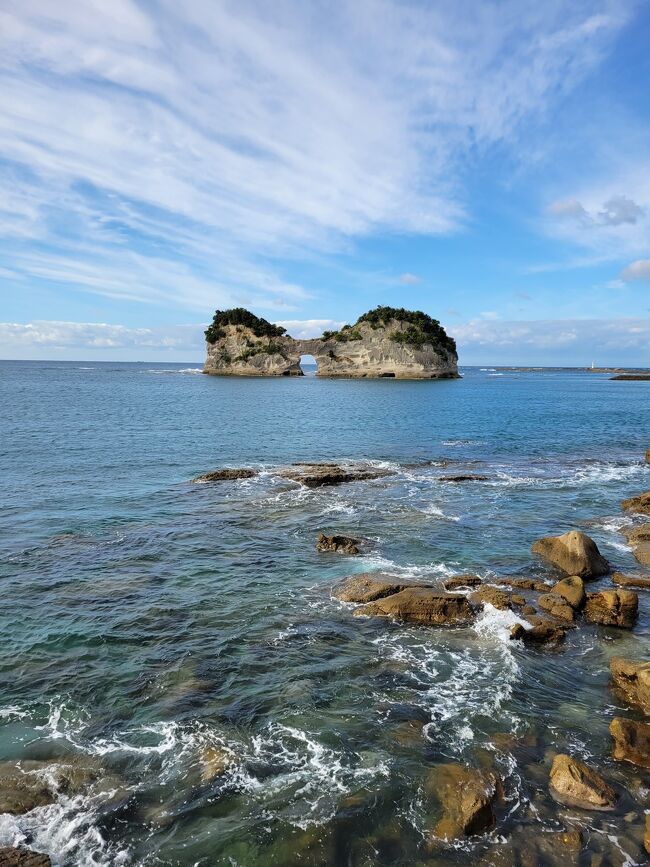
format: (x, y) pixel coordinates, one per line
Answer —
(308, 365)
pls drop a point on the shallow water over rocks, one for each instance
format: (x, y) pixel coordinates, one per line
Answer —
(150, 624)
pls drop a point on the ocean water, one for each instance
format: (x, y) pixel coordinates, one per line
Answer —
(149, 624)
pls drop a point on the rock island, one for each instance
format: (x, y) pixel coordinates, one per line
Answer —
(384, 342)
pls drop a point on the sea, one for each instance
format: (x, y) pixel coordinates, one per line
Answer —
(151, 626)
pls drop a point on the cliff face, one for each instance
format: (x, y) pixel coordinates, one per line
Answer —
(383, 343)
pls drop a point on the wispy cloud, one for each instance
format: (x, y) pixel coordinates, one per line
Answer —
(176, 153)
(639, 270)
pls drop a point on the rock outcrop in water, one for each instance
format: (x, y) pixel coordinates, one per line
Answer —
(18, 856)
(385, 342)
(631, 680)
(575, 784)
(573, 553)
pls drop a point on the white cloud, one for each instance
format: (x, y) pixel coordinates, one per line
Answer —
(95, 335)
(410, 279)
(639, 270)
(224, 136)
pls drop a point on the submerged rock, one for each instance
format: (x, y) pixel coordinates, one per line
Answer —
(631, 678)
(574, 553)
(18, 856)
(422, 605)
(575, 784)
(572, 590)
(467, 796)
(639, 504)
(612, 608)
(338, 544)
(462, 581)
(492, 596)
(323, 475)
(464, 478)
(631, 741)
(215, 762)
(542, 631)
(368, 587)
(639, 581)
(226, 475)
(22, 787)
(556, 606)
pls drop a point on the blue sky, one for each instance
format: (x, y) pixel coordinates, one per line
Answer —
(487, 162)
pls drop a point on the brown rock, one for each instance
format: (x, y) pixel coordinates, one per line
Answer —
(639, 581)
(612, 608)
(215, 761)
(18, 856)
(573, 553)
(518, 599)
(638, 534)
(543, 631)
(337, 544)
(226, 475)
(631, 678)
(524, 584)
(631, 741)
(575, 784)
(325, 475)
(422, 605)
(22, 787)
(463, 581)
(367, 587)
(572, 590)
(640, 504)
(467, 796)
(646, 836)
(647, 456)
(492, 596)
(529, 610)
(556, 606)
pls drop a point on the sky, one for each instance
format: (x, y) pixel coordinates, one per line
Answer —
(486, 162)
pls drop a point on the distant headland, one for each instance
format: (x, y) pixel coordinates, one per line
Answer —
(385, 342)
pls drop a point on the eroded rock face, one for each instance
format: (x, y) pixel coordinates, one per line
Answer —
(20, 857)
(462, 581)
(573, 553)
(492, 596)
(337, 544)
(631, 741)
(422, 605)
(631, 679)
(385, 342)
(572, 591)
(575, 784)
(367, 587)
(640, 505)
(556, 606)
(639, 581)
(612, 608)
(467, 796)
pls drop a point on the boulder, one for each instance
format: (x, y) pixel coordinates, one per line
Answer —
(640, 581)
(337, 544)
(463, 581)
(631, 741)
(572, 590)
(556, 606)
(227, 475)
(612, 608)
(18, 856)
(326, 475)
(573, 553)
(422, 605)
(631, 679)
(367, 587)
(640, 504)
(467, 796)
(542, 631)
(492, 596)
(518, 599)
(575, 784)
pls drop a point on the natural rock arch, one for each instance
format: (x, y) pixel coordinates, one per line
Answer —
(385, 342)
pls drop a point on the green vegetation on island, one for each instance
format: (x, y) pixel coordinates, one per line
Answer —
(240, 316)
(422, 328)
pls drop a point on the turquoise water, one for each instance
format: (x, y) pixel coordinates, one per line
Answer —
(146, 621)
